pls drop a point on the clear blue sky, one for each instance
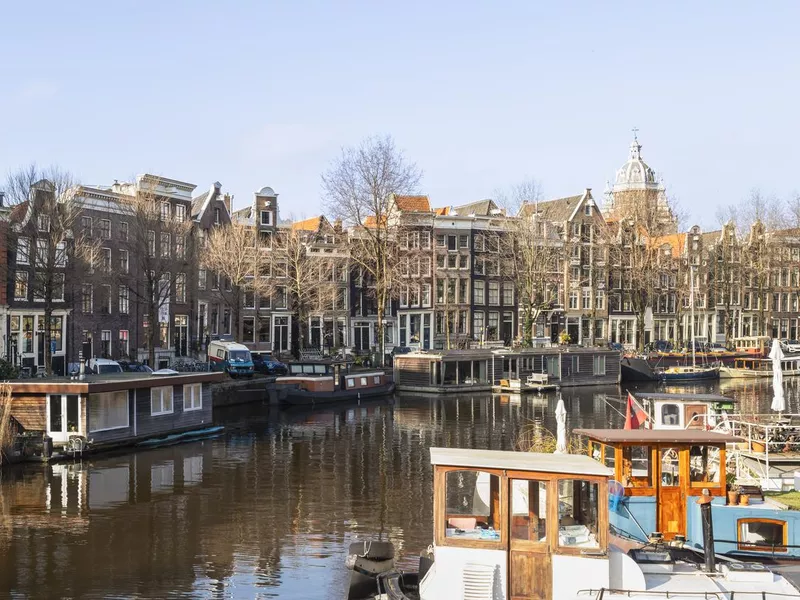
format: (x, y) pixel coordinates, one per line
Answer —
(480, 94)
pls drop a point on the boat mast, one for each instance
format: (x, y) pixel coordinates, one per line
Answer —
(691, 303)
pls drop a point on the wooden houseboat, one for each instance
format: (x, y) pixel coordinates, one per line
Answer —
(310, 383)
(754, 368)
(659, 477)
(683, 411)
(103, 411)
(526, 369)
(530, 526)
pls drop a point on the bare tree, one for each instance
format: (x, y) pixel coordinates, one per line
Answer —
(159, 241)
(44, 238)
(232, 253)
(359, 188)
(634, 239)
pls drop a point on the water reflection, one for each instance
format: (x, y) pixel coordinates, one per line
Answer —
(268, 509)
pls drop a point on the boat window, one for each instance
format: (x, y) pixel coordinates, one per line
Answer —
(762, 535)
(350, 382)
(376, 379)
(363, 381)
(636, 468)
(529, 510)
(610, 457)
(577, 513)
(472, 505)
(670, 414)
(596, 451)
(320, 369)
(669, 467)
(704, 464)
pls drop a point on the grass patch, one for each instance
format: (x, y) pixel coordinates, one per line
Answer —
(790, 499)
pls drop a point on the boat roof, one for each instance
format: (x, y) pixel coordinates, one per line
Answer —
(572, 464)
(658, 436)
(683, 397)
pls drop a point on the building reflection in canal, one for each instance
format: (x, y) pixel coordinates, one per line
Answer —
(268, 509)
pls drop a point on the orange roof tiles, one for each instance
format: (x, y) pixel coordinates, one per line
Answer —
(676, 241)
(413, 203)
(442, 212)
(311, 224)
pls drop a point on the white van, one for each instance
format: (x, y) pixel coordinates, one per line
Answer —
(233, 358)
(104, 366)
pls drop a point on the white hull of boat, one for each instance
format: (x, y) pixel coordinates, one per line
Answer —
(734, 373)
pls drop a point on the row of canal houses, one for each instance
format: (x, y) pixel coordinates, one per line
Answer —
(456, 287)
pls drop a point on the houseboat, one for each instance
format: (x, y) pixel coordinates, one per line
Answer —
(311, 383)
(754, 368)
(506, 369)
(105, 411)
(659, 476)
(684, 411)
(530, 526)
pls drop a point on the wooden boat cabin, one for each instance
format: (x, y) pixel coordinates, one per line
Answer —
(114, 409)
(660, 472)
(658, 477)
(448, 371)
(755, 345)
(683, 411)
(523, 523)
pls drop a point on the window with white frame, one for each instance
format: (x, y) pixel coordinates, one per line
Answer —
(180, 213)
(165, 211)
(166, 241)
(494, 293)
(123, 231)
(180, 246)
(21, 285)
(61, 255)
(192, 396)
(151, 243)
(426, 294)
(108, 411)
(599, 299)
(23, 251)
(599, 366)
(123, 342)
(105, 257)
(508, 293)
(105, 229)
(42, 248)
(161, 400)
(44, 222)
(124, 300)
(478, 291)
(201, 279)
(180, 287)
(87, 296)
(586, 298)
(266, 217)
(573, 300)
(58, 287)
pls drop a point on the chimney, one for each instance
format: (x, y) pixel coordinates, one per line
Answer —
(337, 225)
(227, 199)
(2, 198)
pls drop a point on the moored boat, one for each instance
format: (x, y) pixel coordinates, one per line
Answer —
(520, 525)
(754, 368)
(311, 383)
(633, 368)
(688, 373)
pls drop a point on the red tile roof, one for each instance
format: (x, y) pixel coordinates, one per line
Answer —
(311, 224)
(413, 203)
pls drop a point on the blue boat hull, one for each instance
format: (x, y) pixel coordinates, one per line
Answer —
(709, 374)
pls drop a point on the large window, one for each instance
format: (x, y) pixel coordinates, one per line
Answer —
(193, 396)
(21, 285)
(471, 502)
(670, 469)
(764, 535)
(494, 293)
(578, 506)
(23, 251)
(704, 465)
(478, 288)
(599, 365)
(529, 510)
(161, 400)
(636, 466)
(108, 411)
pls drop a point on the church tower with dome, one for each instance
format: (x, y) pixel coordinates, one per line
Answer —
(636, 183)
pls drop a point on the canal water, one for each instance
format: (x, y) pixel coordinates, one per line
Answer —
(267, 509)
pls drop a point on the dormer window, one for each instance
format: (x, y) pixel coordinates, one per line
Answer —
(216, 216)
(266, 217)
(587, 210)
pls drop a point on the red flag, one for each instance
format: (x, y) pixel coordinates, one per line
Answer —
(634, 415)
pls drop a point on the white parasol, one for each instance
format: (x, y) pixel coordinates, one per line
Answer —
(561, 420)
(776, 354)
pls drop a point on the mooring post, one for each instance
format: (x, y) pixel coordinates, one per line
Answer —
(708, 531)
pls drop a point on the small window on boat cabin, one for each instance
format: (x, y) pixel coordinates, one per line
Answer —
(376, 379)
(762, 535)
(529, 510)
(161, 400)
(636, 466)
(596, 451)
(193, 396)
(578, 516)
(670, 467)
(704, 465)
(471, 505)
(609, 457)
(350, 382)
(363, 381)
(670, 414)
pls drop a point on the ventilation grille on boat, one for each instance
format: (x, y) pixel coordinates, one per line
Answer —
(478, 582)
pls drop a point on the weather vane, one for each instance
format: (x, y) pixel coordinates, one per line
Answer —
(635, 130)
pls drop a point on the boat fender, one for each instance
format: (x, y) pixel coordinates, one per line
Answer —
(365, 566)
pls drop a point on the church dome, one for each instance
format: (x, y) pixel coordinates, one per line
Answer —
(635, 174)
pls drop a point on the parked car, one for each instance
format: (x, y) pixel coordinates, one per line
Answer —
(264, 363)
(662, 346)
(134, 367)
(793, 345)
(104, 366)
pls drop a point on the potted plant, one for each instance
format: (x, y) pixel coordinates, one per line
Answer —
(564, 338)
(744, 499)
(733, 489)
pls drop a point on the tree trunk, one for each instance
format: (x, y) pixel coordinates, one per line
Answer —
(48, 313)
(152, 318)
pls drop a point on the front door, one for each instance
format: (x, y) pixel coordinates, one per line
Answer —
(671, 496)
(63, 416)
(281, 334)
(529, 562)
